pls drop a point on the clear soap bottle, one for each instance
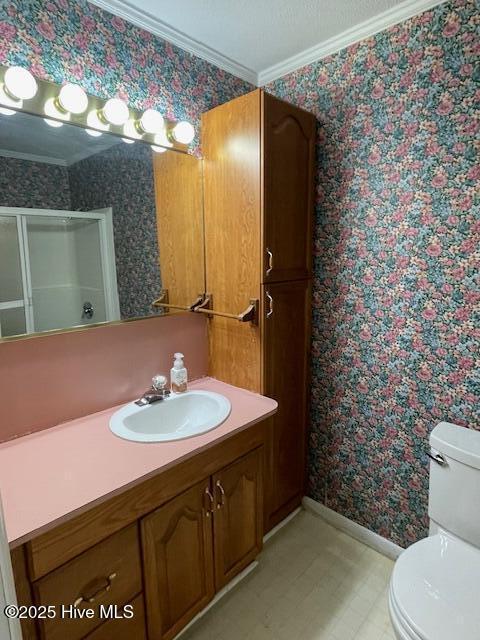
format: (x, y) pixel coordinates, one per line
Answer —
(178, 374)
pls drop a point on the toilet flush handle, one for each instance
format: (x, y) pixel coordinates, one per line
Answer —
(437, 457)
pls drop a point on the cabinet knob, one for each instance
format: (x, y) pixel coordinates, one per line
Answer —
(270, 262)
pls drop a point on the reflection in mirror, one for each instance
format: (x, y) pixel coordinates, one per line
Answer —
(92, 229)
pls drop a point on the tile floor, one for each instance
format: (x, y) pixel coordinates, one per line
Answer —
(313, 583)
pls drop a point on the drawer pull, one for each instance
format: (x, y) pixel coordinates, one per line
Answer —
(222, 491)
(105, 585)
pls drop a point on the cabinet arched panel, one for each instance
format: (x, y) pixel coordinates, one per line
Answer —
(289, 147)
(238, 526)
(177, 540)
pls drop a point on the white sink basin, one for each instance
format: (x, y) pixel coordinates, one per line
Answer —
(179, 416)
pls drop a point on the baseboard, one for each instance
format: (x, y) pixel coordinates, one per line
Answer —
(362, 534)
(281, 524)
(223, 592)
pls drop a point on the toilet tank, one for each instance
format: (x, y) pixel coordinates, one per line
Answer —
(454, 498)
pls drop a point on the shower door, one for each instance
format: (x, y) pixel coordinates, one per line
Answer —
(15, 304)
(57, 270)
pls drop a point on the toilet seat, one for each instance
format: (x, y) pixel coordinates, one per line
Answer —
(434, 590)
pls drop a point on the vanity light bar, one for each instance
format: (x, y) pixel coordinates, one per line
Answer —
(20, 91)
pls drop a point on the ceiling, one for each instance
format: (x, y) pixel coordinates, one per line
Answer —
(28, 137)
(260, 40)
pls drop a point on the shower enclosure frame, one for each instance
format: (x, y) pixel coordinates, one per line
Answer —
(107, 250)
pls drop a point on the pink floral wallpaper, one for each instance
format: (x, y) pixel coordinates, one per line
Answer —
(396, 337)
(68, 40)
(396, 331)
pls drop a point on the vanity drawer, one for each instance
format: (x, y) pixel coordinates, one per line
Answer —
(108, 573)
(127, 629)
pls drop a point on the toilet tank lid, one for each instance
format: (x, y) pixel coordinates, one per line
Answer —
(457, 442)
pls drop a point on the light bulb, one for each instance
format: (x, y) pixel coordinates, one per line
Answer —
(20, 83)
(162, 140)
(127, 141)
(72, 98)
(94, 122)
(115, 111)
(7, 101)
(7, 112)
(158, 149)
(53, 123)
(183, 132)
(51, 110)
(93, 133)
(130, 130)
(152, 121)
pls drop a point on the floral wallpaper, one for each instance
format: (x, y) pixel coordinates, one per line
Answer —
(122, 178)
(396, 332)
(72, 40)
(24, 183)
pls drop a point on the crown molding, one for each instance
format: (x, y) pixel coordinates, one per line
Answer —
(19, 155)
(365, 29)
(146, 21)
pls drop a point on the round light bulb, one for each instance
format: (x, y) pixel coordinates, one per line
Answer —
(130, 130)
(158, 149)
(51, 110)
(20, 83)
(53, 123)
(183, 132)
(152, 121)
(72, 98)
(115, 111)
(94, 122)
(7, 112)
(93, 133)
(162, 140)
(7, 101)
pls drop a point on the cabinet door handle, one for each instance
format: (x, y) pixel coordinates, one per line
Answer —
(270, 304)
(222, 491)
(270, 262)
(105, 585)
(211, 499)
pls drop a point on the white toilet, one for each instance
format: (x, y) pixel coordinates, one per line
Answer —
(434, 590)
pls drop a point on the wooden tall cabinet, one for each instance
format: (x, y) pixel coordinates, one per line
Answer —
(258, 206)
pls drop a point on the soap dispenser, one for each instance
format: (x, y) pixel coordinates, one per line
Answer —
(178, 374)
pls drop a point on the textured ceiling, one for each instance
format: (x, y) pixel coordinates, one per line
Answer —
(259, 40)
(261, 33)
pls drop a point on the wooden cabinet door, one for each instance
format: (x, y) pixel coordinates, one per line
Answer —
(232, 202)
(178, 561)
(286, 329)
(288, 170)
(238, 517)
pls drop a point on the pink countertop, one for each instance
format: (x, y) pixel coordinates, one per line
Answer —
(50, 476)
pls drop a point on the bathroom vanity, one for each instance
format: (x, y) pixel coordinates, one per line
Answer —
(161, 526)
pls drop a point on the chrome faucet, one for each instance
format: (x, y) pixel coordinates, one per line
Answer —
(158, 391)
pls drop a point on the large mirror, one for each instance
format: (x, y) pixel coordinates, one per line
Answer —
(93, 228)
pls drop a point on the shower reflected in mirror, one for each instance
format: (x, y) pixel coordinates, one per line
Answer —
(92, 229)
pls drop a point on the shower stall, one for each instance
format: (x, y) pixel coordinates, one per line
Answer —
(57, 269)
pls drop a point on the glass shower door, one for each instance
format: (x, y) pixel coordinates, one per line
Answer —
(15, 302)
(66, 267)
